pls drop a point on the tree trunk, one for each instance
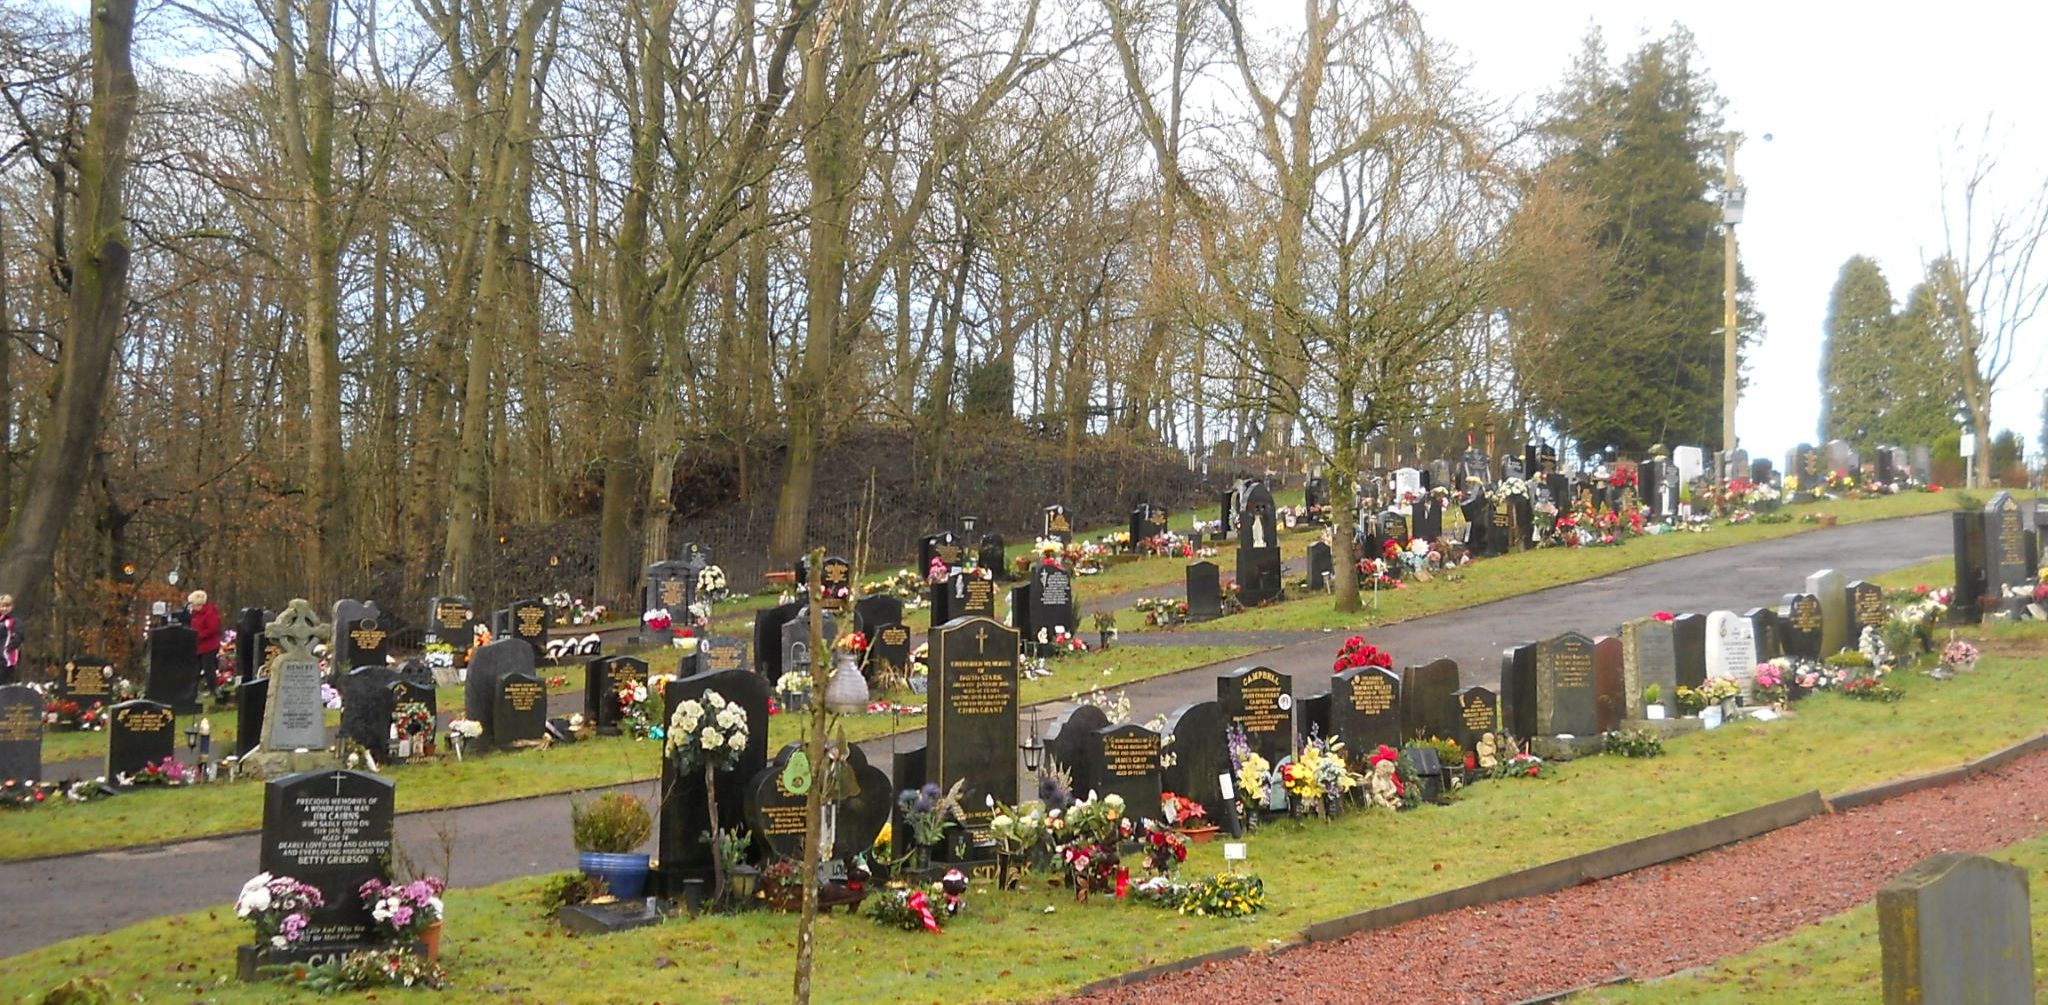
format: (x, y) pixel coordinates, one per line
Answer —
(98, 299)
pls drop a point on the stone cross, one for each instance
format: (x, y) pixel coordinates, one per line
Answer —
(297, 628)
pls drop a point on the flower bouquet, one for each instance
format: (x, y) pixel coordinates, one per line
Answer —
(1188, 815)
(404, 911)
(910, 910)
(1089, 833)
(279, 906)
(1359, 653)
(1771, 683)
(1959, 656)
(461, 731)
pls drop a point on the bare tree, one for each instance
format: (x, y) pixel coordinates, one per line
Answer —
(1990, 251)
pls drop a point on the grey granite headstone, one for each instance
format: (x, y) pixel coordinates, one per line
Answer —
(2005, 552)
(1833, 592)
(1649, 656)
(1955, 930)
(1566, 694)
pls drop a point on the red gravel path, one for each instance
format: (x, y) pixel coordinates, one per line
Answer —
(1648, 923)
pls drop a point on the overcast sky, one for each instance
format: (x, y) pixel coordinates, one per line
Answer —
(1862, 103)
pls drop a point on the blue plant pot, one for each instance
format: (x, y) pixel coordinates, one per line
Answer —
(625, 875)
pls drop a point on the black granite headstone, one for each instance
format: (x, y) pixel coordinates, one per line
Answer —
(412, 699)
(1800, 621)
(1055, 522)
(993, 555)
(1763, 626)
(252, 701)
(366, 707)
(1260, 700)
(492, 663)
(1478, 713)
(1125, 761)
(139, 733)
(871, 613)
(21, 733)
(87, 680)
(836, 584)
(451, 622)
(1518, 690)
(521, 718)
(1194, 756)
(1429, 707)
(775, 812)
(332, 830)
(360, 637)
(603, 679)
(719, 653)
(1609, 696)
(1867, 609)
(1052, 602)
(174, 667)
(1258, 547)
(2005, 553)
(1205, 592)
(971, 721)
(888, 655)
(1964, 608)
(250, 658)
(685, 806)
(1070, 745)
(1566, 693)
(1365, 711)
(529, 624)
(1322, 568)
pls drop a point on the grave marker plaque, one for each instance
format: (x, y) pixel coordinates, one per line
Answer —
(1260, 700)
(1566, 699)
(330, 829)
(139, 732)
(1052, 601)
(1205, 592)
(88, 680)
(1126, 763)
(521, 718)
(971, 722)
(1800, 619)
(1365, 711)
(21, 733)
(1478, 714)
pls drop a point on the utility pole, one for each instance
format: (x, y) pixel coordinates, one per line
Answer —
(1731, 214)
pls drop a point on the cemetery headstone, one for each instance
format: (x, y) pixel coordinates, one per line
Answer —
(1800, 619)
(1056, 522)
(298, 716)
(252, 699)
(529, 624)
(1052, 601)
(1258, 550)
(888, 655)
(768, 638)
(1070, 744)
(775, 812)
(1689, 640)
(944, 546)
(1260, 700)
(604, 679)
(671, 588)
(139, 733)
(1477, 467)
(1193, 756)
(1840, 456)
(1322, 567)
(1145, 523)
(1833, 591)
(1731, 648)
(1969, 565)
(971, 721)
(1478, 714)
(1763, 626)
(685, 815)
(1609, 699)
(1955, 930)
(718, 653)
(174, 667)
(21, 733)
(1518, 690)
(1428, 703)
(414, 722)
(1205, 592)
(1649, 656)
(493, 663)
(366, 706)
(250, 658)
(1923, 463)
(2005, 553)
(1691, 462)
(1365, 711)
(796, 641)
(1566, 695)
(871, 613)
(1407, 484)
(993, 555)
(1020, 611)
(968, 595)
(1867, 609)
(88, 680)
(836, 579)
(331, 830)
(1125, 760)
(360, 638)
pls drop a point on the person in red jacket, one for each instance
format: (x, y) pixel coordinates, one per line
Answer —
(206, 621)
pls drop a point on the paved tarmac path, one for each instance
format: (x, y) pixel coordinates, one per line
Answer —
(59, 898)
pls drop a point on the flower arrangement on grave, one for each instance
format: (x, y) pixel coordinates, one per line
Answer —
(1356, 652)
(369, 968)
(937, 571)
(1690, 701)
(414, 723)
(439, 655)
(910, 910)
(280, 908)
(1719, 689)
(794, 684)
(1117, 707)
(1316, 774)
(1162, 611)
(1063, 643)
(1184, 813)
(711, 583)
(1523, 765)
(708, 733)
(1875, 649)
(1509, 488)
(1959, 655)
(1871, 689)
(404, 911)
(1251, 772)
(635, 716)
(167, 772)
(658, 620)
(1018, 830)
(1165, 849)
(329, 695)
(1087, 835)
(16, 794)
(1771, 686)
(1225, 895)
(479, 637)
(929, 812)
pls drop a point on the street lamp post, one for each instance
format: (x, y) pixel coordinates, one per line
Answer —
(1731, 214)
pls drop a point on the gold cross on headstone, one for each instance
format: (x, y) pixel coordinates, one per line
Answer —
(298, 628)
(981, 640)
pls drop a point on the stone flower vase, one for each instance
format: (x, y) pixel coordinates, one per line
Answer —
(847, 691)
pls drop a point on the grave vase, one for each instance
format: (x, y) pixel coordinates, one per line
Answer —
(847, 691)
(431, 937)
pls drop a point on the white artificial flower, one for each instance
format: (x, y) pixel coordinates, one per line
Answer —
(710, 738)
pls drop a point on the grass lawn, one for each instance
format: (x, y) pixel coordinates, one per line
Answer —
(140, 818)
(1314, 871)
(1494, 579)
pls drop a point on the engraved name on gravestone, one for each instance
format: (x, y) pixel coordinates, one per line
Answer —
(1800, 618)
(331, 829)
(888, 655)
(971, 725)
(1867, 609)
(2005, 552)
(1126, 764)
(521, 718)
(1565, 697)
(1365, 711)
(297, 717)
(1478, 715)
(1260, 700)
(1731, 648)
(139, 733)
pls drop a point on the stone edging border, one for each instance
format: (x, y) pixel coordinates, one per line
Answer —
(1605, 863)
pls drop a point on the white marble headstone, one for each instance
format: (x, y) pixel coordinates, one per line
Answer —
(1833, 591)
(1407, 482)
(1731, 648)
(1691, 463)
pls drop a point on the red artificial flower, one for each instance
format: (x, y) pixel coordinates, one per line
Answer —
(1665, 616)
(922, 904)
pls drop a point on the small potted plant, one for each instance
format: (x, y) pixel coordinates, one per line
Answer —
(782, 885)
(1959, 656)
(1653, 701)
(1105, 627)
(606, 830)
(407, 911)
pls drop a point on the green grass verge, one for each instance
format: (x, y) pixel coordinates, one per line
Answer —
(496, 946)
(140, 818)
(1527, 572)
